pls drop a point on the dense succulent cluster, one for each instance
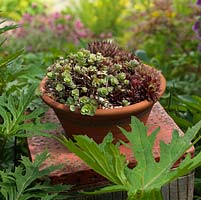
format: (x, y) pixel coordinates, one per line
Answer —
(102, 76)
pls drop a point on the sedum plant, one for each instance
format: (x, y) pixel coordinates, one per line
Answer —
(146, 179)
(103, 76)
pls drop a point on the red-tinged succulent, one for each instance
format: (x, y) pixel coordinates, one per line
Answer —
(145, 84)
(106, 48)
(103, 76)
(111, 50)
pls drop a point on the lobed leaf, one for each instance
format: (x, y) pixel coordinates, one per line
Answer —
(99, 159)
(13, 113)
(18, 185)
(148, 176)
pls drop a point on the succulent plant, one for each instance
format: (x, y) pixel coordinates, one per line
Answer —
(103, 76)
(106, 48)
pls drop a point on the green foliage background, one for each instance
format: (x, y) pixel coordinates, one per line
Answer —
(14, 9)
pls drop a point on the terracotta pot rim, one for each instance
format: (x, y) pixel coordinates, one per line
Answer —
(134, 108)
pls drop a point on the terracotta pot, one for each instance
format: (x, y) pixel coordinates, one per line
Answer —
(104, 120)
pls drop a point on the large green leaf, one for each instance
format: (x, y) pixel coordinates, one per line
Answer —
(104, 159)
(148, 176)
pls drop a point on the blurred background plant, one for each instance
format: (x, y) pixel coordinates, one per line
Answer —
(15, 9)
(105, 18)
(48, 32)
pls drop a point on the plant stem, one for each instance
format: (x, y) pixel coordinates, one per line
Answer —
(145, 195)
(15, 153)
(2, 145)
